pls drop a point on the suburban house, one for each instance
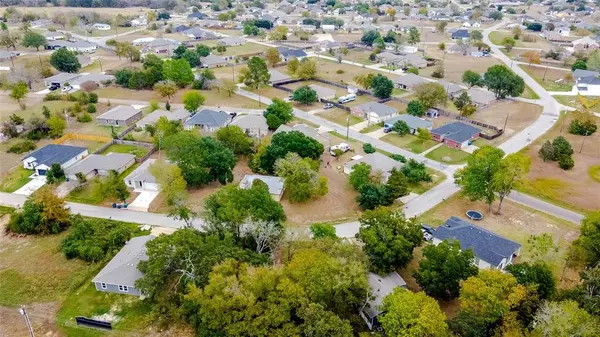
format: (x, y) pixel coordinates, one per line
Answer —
(141, 178)
(232, 41)
(178, 115)
(196, 16)
(252, 125)
(377, 161)
(402, 60)
(410, 81)
(52, 36)
(491, 250)
(308, 131)
(120, 273)
(452, 89)
(181, 28)
(456, 135)
(60, 79)
(481, 98)
(374, 112)
(587, 82)
(161, 46)
(290, 53)
(42, 159)
(121, 115)
(461, 34)
(381, 286)
(74, 46)
(213, 61)
(97, 78)
(199, 34)
(142, 41)
(277, 76)
(586, 43)
(275, 184)
(100, 165)
(208, 120)
(414, 123)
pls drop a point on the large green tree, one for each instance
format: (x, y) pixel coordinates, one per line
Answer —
(511, 173)
(443, 268)
(43, 213)
(284, 142)
(34, 39)
(302, 181)
(192, 101)
(536, 274)
(305, 95)
(65, 61)
(278, 112)
(382, 86)
(178, 71)
(235, 139)
(503, 82)
(257, 74)
(589, 240)
(431, 94)
(389, 238)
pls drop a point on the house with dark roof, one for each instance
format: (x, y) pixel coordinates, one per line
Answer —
(208, 120)
(120, 273)
(287, 54)
(381, 286)
(181, 28)
(275, 184)
(587, 82)
(196, 16)
(213, 61)
(461, 34)
(414, 123)
(374, 111)
(100, 165)
(456, 135)
(121, 115)
(42, 159)
(492, 251)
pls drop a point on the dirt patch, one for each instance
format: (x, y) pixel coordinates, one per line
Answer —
(455, 65)
(41, 315)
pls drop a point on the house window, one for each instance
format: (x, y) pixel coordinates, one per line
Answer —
(123, 289)
(103, 285)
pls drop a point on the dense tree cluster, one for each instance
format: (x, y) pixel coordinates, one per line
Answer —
(559, 150)
(281, 144)
(43, 213)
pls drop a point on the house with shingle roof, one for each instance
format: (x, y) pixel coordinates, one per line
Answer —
(121, 272)
(277, 76)
(491, 250)
(587, 82)
(121, 115)
(142, 179)
(208, 120)
(231, 41)
(252, 125)
(381, 286)
(414, 123)
(374, 111)
(290, 53)
(275, 184)
(42, 159)
(101, 165)
(481, 98)
(455, 135)
(452, 89)
(410, 81)
(152, 118)
(377, 161)
(213, 61)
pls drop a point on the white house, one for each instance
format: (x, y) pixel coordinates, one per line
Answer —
(42, 159)
(587, 82)
(141, 179)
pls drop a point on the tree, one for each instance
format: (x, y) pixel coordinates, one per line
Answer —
(503, 82)
(414, 36)
(397, 183)
(443, 268)
(57, 125)
(476, 35)
(191, 57)
(284, 142)
(360, 175)
(379, 43)
(272, 56)
(546, 151)
(178, 71)
(476, 179)
(373, 195)
(279, 112)
(490, 295)
(19, 91)
(202, 50)
(258, 74)
(564, 319)
(415, 172)
(401, 128)
(389, 238)
(65, 61)
(202, 160)
(55, 174)
(423, 134)
(307, 70)
(235, 139)
(192, 100)
(462, 100)
(43, 213)
(538, 275)
(583, 124)
(431, 94)
(508, 43)
(305, 95)
(319, 322)
(166, 89)
(302, 181)
(293, 65)
(323, 231)
(496, 16)
(511, 173)
(9, 39)
(532, 57)
(562, 147)
(35, 40)
(593, 61)
(471, 78)
(279, 33)
(579, 64)
(409, 314)
(228, 86)
(382, 86)
(369, 37)
(415, 108)
(365, 80)
(589, 239)
(440, 27)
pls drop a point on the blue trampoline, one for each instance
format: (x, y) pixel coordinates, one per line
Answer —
(474, 215)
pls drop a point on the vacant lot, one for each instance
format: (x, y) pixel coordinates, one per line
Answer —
(408, 142)
(516, 223)
(245, 49)
(574, 188)
(497, 37)
(359, 55)
(455, 65)
(138, 151)
(339, 116)
(16, 179)
(548, 77)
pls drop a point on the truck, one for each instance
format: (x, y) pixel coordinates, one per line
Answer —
(341, 146)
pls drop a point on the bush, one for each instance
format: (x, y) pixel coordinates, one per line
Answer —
(582, 126)
(368, 148)
(22, 147)
(412, 70)
(93, 97)
(340, 71)
(91, 108)
(53, 96)
(565, 162)
(398, 157)
(93, 239)
(84, 118)
(43, 213)
(77, 107)
(71, 98)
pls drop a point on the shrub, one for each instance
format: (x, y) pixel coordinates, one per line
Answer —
(91, 108)
(84, 118)
(368, 148)
(53, 96)
(22, 147)
(93, 97)
(582, 126)
(412, 70)
(77, 107)
(83, 98)
(43, 213)
(340, 71)
(398, 157)
(565, 162)
(71, 98)
(88, 86)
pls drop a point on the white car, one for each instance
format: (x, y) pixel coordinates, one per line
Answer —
(67, 88)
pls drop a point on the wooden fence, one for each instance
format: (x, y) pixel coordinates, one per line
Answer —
(75, 136)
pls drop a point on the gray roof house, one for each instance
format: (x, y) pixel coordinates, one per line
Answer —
(381, 286)
(452, 89)
(208, 120)
(153, 117)
(492, 251)
(121, 115)
(253, 125)
(311, 132)
(410, 81)
(455, 135)
(213, 61)
(413, 122)
(120, 273)
(60, 79)
(481, 98)
(42, 159)
(231, 41)
(277, 76)
(290, 53)
(141, 178)
(461, 34)
(377, 161)
(199, 34)
(275, 184)
(374, 111)
(97, 78)
(97, 164)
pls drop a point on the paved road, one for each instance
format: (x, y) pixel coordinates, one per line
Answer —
(545, 207)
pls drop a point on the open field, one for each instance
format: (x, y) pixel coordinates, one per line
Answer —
(245, 49)
(496, 38)
(446, 155)
(521, 115)
(359, 55)
(574, 102)
(339, 116)
(455, 65)
(517, 223)
(574, 188)
(547, 77)
(269, 91)
(15, 179)
(408, 142)
(338, 91)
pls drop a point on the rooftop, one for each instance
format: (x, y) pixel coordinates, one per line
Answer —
(209, 118)
(457, 131)
(55, 153)
(120, 112)
(122, 269)
(275, 184)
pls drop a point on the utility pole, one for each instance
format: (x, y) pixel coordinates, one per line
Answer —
(545, 71)
(347, 127)
(506, 121)
(24, 314)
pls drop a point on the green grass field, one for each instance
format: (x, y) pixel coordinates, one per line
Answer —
(15, 180)
(444, 154)
(408, 142)
(339, 116)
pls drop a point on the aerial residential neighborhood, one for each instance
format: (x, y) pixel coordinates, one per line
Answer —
(310, 168)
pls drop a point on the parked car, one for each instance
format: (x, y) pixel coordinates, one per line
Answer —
(67, 88)
(341, 146)
(54, 87)
(328, 106)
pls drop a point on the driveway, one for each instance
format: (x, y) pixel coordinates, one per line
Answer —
(143, 201)
(35, 184)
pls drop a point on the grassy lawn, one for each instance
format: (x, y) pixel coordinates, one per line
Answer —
(408, 142)
(371, 128)
(594, 172)
(88, 194)
(247, 48)
(573, 101)
(398, 92)
(496, 38)
(444, 154)
(529, 93)
(547, 77)
(420, 188)
(15, 180)
(54, 106)
(359, 56)
(298, 120)
(138, 151)
(339, 116)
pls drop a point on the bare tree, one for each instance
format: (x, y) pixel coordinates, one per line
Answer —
(267, 235)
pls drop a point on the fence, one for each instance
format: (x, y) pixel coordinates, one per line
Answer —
(150, 146)
(75, 136)
(126, 131)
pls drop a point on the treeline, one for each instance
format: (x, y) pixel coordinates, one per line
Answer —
(166, 4)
